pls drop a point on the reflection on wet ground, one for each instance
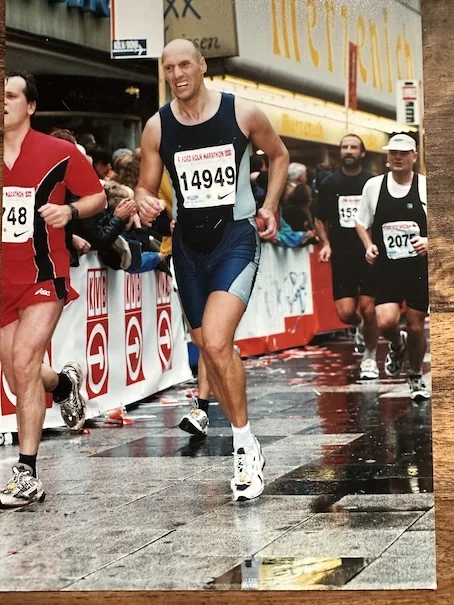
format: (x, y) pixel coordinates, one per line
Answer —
(348, 502)
(288, 573)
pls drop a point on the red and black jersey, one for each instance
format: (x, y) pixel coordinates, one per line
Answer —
(44, 170)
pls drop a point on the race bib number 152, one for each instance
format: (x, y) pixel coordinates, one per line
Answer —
(207, 176)
(348, 207)
(18, 214)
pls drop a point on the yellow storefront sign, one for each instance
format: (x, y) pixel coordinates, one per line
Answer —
(310, 119)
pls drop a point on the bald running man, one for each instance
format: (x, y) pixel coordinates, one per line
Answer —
(202, 138)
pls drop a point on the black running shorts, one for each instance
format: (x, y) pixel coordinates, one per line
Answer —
(352, 276)
(403, 281)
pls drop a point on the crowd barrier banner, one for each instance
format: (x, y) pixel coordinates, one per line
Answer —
(126, 331)
(292, 301)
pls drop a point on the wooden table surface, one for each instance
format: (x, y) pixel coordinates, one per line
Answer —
(438, 38)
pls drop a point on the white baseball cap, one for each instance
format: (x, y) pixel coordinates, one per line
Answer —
(401, 142)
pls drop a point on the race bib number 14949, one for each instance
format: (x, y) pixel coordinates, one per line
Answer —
(18, 214)
(207, 176)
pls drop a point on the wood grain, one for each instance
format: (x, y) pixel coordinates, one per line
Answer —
(438, 35)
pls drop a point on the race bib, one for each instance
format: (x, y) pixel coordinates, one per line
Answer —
(18, 215)
(348, 207)
(207, 176)
(397, 236)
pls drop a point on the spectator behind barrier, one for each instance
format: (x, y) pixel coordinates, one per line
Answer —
(141, 260)
(102, 160)
(259, 177)
(87, 140)
(297, 214)
(127, 168)
(296, 223)
(103, 230)
(63, 133)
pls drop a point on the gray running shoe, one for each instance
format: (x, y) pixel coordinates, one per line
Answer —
(22, 488)
(195, 422)
(418, 389)
(73, 408)
(395, 358)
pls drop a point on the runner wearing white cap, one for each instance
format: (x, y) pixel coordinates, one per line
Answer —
(392, 224)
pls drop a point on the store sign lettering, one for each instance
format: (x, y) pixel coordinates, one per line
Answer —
(380, 57)
(98, 7)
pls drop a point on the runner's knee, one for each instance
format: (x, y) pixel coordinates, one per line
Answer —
(216, 350)
(386, 322)
(415, 328)
(348, 316)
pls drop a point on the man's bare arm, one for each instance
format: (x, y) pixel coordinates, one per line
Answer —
(256, 125)
(371, 248)
(324, 254)
(151, 168)
(58, 216)
(266, 138)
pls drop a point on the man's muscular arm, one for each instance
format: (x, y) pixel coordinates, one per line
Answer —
(256, 125)
(151, 168)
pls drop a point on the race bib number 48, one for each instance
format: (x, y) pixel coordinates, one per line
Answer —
(18, 214)
(397, 238)
(207, 176)
(348, 207)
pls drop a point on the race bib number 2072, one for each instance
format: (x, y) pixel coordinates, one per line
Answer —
(397, 236)
(207, 176)
(18, 214)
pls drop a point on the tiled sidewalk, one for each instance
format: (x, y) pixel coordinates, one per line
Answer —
(348, 502)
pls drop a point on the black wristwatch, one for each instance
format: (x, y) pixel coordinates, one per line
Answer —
(74, 212)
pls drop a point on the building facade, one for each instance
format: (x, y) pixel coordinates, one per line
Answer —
(289, 56)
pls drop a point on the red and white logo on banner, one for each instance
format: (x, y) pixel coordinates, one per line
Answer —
(133, 329)
(97, 333)
(164, 319)
(8, 400)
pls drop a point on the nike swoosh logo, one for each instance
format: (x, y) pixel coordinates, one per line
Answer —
(221, 197)
(21, 233)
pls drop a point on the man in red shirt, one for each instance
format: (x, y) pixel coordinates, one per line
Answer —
(38, 169)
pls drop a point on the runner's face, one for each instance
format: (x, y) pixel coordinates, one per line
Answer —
(350, 152)
(184, 74)
(402, 161)
(17, 109)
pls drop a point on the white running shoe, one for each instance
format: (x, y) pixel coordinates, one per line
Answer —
(395, 358)
(22, 488)
(73, 408)
(418, 389)
(248, 481)
(368, 370)
(195, 422)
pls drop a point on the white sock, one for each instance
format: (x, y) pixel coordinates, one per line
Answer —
(412, 372)
(370, 354)
(360, 326)
(242, 437)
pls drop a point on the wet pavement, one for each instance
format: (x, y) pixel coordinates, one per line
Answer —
(348, 502)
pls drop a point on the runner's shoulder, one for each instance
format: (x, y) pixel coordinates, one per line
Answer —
(330, 182)
(247, 111)
(374, 182)
(422, 179)
(49, 143)
(151, 134)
